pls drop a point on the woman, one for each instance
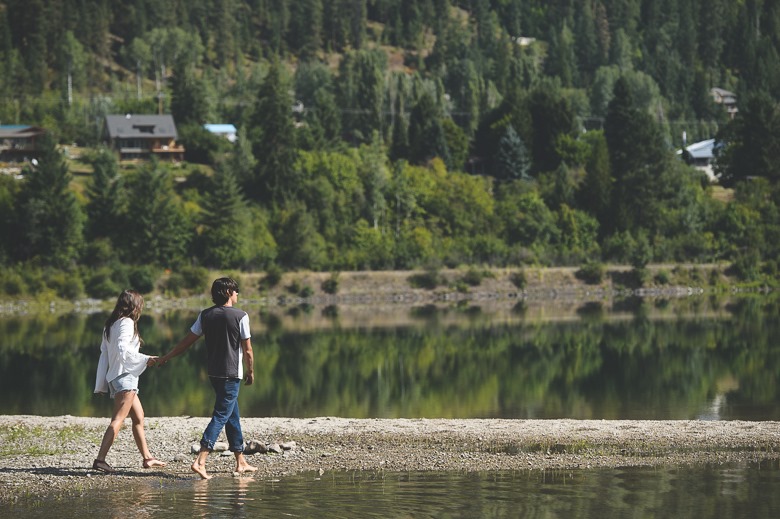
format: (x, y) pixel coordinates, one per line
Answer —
(119, 367)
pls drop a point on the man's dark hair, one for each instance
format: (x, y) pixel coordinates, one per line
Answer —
(222, 289)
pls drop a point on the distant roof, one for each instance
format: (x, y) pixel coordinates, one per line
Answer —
(19, 130)
(220, 128)
(142, 126)
(701, 150)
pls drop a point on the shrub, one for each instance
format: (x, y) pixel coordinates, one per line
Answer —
(331, 285)
(272, 278)
(104, 284)
(67, 285)
(13, 284)
(473, 277)
(662, 277)
(591, 273)
(195, 278)
(306, 291)
(428, 280)
(519, 279)
(142, 279)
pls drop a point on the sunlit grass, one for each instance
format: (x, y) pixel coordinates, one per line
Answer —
(23, 440)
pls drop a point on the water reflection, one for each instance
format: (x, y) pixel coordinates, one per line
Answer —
(738, 490)
(636, 360)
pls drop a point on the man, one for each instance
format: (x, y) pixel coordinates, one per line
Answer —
(226, 331)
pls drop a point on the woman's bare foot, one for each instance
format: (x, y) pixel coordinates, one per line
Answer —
(200, 470)
(153, 462)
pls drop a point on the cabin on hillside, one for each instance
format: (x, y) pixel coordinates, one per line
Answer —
(19, 142)
(725, 98)
(143, 136)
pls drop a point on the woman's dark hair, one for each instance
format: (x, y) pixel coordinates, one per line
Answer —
(129, 304)
(222, 289)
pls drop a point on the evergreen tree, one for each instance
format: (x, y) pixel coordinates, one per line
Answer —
(551, 116)
(362, 93)
(189, 96)
(106, 194)
(305, 28)
(49, 214)
(156, 228)
(273, 140)
(752, 142)
(226, 237)
(426, 135)
(596, 191)
(513, 160)
(637, 159)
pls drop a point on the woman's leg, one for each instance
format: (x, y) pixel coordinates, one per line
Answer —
(137, 417)
(123, 402)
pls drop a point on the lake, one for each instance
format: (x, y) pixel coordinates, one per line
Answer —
(732, 490)
(684, 358)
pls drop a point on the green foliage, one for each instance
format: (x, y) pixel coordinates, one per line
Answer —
(519, 279)
(331, 285)
(142, 278)
(50, 219)
(428, 280)
(104, 283)
(187, 280)
(273, 276)
(473, 277)
(591, 273)
(445, 86)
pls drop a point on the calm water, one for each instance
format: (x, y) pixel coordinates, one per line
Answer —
(679, 359)
(729, 491)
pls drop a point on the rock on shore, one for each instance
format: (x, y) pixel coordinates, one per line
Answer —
(48, 456)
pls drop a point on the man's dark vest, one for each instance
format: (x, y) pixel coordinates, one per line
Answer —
(222, 331)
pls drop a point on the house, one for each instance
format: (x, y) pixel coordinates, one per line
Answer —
(18, 142)
(700, 155)
(725, 98)
(142, 136)
(228, 131)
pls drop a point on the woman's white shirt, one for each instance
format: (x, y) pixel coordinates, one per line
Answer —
(119, 354)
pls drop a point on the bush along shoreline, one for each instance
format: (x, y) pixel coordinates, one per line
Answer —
(187, 288)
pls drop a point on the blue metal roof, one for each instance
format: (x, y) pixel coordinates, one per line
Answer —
(220, 128)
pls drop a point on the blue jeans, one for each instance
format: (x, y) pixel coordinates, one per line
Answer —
(225, 415)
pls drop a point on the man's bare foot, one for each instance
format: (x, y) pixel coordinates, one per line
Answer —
(200, 470)
(245, 467)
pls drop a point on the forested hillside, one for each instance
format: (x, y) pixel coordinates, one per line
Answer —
(390, 134)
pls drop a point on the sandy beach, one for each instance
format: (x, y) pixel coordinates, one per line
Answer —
(52, 456)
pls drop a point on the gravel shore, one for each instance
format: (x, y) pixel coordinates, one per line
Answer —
(52, 456)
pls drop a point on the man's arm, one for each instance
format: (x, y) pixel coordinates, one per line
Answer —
(249, 361)
(180, 348)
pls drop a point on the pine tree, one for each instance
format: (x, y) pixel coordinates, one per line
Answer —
(50, 217)
(189, 96)
(107, 196)
(513, 160)
(226, 237)
(752, 142)
(273, 140)
(156, 229)
(638, 161)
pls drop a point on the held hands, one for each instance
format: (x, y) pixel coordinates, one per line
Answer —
(156, 361)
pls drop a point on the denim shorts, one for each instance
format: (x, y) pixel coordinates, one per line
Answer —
(124, 382)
